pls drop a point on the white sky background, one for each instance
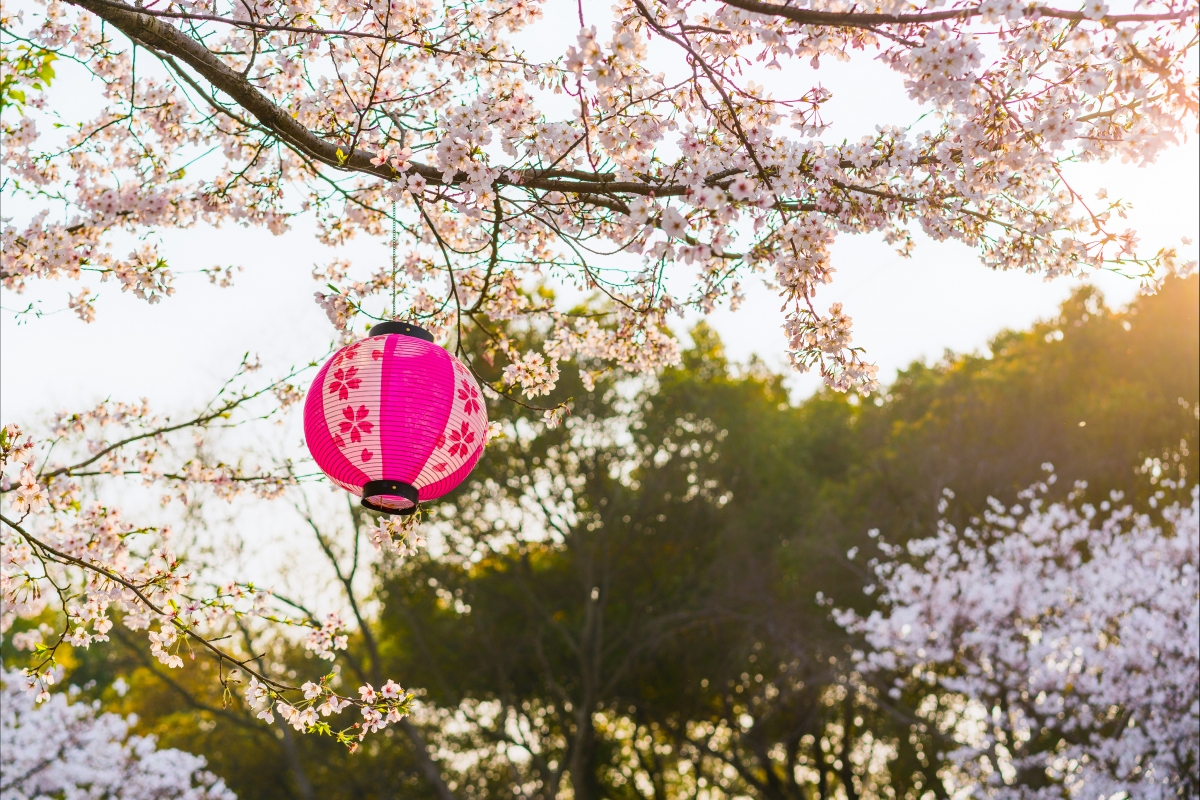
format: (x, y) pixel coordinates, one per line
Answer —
(178, 351)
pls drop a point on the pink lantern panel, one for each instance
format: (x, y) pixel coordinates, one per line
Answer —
(395, 419)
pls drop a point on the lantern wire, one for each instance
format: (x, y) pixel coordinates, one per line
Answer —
(394, 243)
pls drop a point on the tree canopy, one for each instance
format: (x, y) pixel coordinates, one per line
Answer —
(636, 603)
(661, 162)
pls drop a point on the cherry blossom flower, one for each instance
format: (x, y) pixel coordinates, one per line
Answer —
(673, 223)
(743, 188)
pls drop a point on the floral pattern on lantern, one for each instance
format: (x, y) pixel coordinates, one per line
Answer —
(395, 408)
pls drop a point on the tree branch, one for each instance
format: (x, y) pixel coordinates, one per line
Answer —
(854, 19)
(166, 41)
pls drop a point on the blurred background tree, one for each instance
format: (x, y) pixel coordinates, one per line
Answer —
(631, 605)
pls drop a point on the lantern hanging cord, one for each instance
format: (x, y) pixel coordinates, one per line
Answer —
(394, 243)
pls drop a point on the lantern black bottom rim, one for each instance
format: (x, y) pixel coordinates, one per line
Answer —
(384, 488)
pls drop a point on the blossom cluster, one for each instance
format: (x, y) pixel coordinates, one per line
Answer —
(378, 708)
(325, 639)
(59, 748)
(396, 534)
(1060, 641)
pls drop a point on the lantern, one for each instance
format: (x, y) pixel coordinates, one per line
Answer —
(395, 419)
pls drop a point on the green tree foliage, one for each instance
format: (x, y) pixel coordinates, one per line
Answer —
(24, 68)
(627, 606)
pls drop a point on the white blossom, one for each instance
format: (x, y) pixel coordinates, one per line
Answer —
(1070, 637)
(56, 748)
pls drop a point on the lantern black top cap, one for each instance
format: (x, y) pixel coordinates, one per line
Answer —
(403, 328)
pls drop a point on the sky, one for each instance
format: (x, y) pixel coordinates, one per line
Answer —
(177, 352)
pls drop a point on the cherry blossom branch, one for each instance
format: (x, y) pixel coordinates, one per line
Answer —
(165, 42)
(857, 19)
(65, 558)
(179, 689)
(199, 421)
(676, 172)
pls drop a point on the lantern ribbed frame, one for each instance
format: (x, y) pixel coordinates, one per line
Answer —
(395, 408)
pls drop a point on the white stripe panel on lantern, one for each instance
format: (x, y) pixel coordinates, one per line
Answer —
(351, 406)
(465, 430)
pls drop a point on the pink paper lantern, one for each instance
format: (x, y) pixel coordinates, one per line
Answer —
(395, 419)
